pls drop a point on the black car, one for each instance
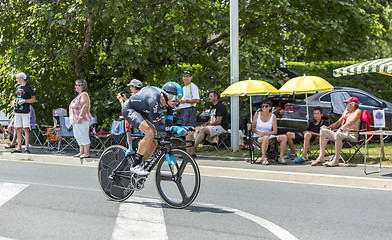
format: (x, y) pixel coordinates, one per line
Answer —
(291, 109)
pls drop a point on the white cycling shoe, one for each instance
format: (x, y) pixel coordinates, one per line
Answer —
(139, 170)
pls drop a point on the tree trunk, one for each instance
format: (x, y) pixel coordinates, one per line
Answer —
(84, 45)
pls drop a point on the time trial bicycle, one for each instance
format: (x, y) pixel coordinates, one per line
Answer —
(177, 175)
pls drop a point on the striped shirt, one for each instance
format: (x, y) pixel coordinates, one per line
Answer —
(76, 107)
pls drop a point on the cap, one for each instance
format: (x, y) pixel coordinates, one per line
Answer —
(21, 74)
(135, 82)
(187, 72)
(352, 99)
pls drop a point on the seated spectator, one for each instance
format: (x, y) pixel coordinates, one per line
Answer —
(4, 131)
(350, 120)
(218, 122)
(310, 134)
(265, 127)
(12, 134)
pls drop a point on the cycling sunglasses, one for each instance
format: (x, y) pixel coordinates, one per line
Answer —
(173, 97)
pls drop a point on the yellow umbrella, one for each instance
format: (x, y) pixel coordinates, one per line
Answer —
(306, 84)
(250, 87)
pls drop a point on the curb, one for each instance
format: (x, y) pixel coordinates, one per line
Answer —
(229, 172)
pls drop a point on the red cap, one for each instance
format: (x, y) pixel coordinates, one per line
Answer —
(352, 99)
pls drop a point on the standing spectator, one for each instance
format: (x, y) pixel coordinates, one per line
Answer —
(135, 86)
(218, 122)
(188, 107)
(80, 118)
(12, 130)
(310, 134)
(24, 96)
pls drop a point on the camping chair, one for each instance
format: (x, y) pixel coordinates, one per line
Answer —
(37, 135)
(356, 146)
(219, 141)
(63, 130)
(255, 148)
(116, 136)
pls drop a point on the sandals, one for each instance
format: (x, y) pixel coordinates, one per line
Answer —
(78, 155)
(331, 165)
(318, 162)
(264, 161)
(10, 146)
(84, 156)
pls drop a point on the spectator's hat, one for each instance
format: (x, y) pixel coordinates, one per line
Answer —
(352, 99)
(135, 83)
(21, 75)
(187, 73)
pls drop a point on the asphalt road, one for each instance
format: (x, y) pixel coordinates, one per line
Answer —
(50, 201)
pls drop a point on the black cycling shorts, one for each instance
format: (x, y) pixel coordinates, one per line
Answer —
(133, 117)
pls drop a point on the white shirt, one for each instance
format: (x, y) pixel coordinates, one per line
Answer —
(188, 95)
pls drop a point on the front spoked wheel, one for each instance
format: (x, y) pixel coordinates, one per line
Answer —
(117, 187)
(180, 189)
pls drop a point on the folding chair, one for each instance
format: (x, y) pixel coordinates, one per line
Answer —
(116, 136)
(219, 141)
(37, 134)
(356, 146)
(64, 130)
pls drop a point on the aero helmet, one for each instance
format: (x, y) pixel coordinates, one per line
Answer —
(172, 91)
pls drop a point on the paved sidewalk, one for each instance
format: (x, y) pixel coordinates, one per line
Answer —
(345, 175)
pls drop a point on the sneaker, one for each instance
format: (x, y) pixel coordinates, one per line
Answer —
(291, 156)
(299, 160)
(139, 170)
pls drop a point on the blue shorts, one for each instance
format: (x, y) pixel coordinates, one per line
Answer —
(188, 116)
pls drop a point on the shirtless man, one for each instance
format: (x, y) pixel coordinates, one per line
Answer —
(350, 120)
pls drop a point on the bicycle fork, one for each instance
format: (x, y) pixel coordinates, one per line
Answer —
(169, 160)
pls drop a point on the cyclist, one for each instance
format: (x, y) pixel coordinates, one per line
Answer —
(142, 111)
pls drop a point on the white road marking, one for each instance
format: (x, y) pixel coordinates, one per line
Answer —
(9, 190)
(141, 218)
(270, 226)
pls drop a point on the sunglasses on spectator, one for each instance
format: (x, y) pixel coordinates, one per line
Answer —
(78, 85)
(265, 106)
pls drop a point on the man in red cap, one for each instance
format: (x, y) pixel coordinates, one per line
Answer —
(350, 120)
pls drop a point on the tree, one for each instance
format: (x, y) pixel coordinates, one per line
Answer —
(108, 42)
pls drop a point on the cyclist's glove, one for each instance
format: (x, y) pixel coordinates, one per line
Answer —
(180, 130)
(190, 128)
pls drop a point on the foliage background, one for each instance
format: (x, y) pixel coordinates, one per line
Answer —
(109, 42)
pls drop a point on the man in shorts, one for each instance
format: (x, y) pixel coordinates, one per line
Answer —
(188, 108)
(218, 122)
(309, 135)
(142, 112)
(24, 96)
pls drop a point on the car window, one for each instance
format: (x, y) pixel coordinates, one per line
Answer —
(366, 99)
(326, 98)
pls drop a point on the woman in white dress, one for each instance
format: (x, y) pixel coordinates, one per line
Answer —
(264, 128)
